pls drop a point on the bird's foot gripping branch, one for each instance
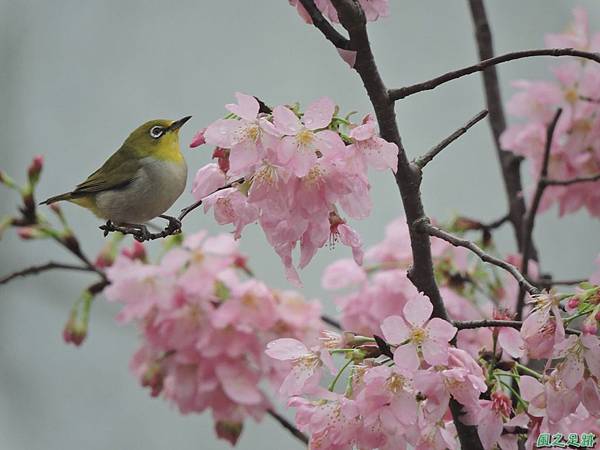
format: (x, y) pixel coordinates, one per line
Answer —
(451, 342)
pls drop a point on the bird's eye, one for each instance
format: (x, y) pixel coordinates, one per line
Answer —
(156, 131)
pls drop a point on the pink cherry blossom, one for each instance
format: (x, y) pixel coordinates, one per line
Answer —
(304, 372)
(244, 136)
(414, 331)
(302, 140)
(370, 149)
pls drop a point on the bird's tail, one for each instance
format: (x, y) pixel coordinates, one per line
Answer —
(57, 198)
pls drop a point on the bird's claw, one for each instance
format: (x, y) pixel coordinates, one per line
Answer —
(142, 234)
(174, 225)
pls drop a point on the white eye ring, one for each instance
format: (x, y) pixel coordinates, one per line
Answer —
(156, 131)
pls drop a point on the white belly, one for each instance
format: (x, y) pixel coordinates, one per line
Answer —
(156, 187)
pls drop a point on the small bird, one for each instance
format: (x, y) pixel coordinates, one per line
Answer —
(140, 181)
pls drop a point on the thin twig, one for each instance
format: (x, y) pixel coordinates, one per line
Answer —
(398, 94)
(509, 162)
(427, 227)
(589, 99)
(529, 223)
(34, 270)
(330, 33)
(334, 323)
(422, 161)
(588, 179)
(174, 226)
(288, 426)
(485, 323)
(549, 283)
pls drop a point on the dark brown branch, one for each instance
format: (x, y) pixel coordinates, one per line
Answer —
(588, 179)
(589, 99)
(330, 33)
(547, 283)
(459, 242)
(288, 426)
(467, 325)
(398, 94)
(34, 270)
(174, 226)
(334, 323)
(427, 157)
(509, 162)
(408, 178)
(529, 223)
(485, 323)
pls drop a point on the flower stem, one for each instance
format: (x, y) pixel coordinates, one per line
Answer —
(528, 371)
(339, 374)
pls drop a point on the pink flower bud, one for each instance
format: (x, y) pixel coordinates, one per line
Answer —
(198, 139)
(75, 331)
(573, 303)
(27, 233)
(35, 168)
(222, 157)
(137, 251)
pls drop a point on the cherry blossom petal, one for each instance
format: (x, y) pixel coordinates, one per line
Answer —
(417, 311)
(440, 330)
(286, 121)
(395, 330)
(511, 342)
(286, 349)
(247, 107)
(319, 113)
(405, 357)
(435, 352)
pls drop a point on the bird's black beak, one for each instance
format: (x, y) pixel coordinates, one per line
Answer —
(178, 123)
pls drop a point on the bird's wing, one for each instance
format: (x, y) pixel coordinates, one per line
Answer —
(116, 173)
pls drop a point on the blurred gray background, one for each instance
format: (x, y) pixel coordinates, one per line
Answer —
(77, 76)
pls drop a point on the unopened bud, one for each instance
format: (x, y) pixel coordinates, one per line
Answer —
(573, 303)
(154, 379)
(27, 233)
(229, 430)
(222, 156)
(137, 251)
(75, 331)
(35, 168)
(71, 242)
(198, 139)
(465, 224)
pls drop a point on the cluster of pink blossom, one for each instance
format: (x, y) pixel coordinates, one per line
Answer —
(389, 401)
(373, 9)
(383, 288)
(575, 150)
(204, 327)
(397, 392)
(296, 171)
